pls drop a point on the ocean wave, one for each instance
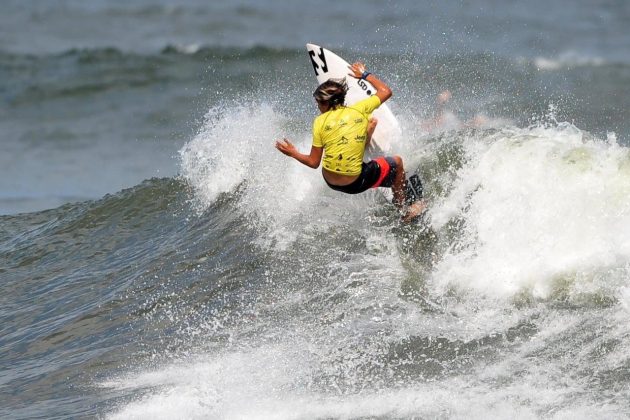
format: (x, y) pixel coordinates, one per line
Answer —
(77, 73)
(76, 219)
(116, 53)
(83, 72)
(483, 183)
(542, 212)
(530, 258)
(243, 287)
(568, 60)
(324, 297)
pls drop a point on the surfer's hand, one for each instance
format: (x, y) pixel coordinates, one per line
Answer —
(357, 70)
(286, 147)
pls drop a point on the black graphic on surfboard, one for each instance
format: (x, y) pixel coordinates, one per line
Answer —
(328, 65)
(322, 57)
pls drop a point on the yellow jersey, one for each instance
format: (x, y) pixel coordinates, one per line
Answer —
(342, 133)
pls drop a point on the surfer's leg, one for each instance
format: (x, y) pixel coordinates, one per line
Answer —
(391, 175)
(398, 184)
(407, 192)
(413, 198)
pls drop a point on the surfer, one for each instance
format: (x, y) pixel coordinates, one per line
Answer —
(342, 133)
(445, 119)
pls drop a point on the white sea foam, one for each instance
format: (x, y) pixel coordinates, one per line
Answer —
(568, 59)
(543, 206)
(546, 211)
(189, 49)
(225, 151)
(238, 146)
(272, 382)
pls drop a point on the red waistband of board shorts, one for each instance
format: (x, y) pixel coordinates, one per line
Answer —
(384, 165)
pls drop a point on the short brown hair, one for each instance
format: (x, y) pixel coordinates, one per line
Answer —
(332, 91)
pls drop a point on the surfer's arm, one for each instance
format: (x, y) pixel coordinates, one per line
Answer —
(357, 70)
(311, 160)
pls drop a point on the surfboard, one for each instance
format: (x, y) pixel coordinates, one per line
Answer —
(328, 65)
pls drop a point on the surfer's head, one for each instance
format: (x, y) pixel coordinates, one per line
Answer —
(332, 92)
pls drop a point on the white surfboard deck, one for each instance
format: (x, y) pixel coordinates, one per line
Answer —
(328, 65)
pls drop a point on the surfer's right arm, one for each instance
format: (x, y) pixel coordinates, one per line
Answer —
(311, 160)
(382, 89)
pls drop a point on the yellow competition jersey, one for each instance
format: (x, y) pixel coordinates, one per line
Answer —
(342, 133)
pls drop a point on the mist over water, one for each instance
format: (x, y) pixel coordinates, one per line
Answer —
(160, 259)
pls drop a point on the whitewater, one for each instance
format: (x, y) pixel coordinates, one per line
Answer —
(509, 300)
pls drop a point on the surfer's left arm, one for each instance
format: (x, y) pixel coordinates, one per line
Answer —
(311, 160)
(358, 71)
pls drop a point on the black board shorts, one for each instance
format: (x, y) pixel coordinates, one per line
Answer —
(379, 172)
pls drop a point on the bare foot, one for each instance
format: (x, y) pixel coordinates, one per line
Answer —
(414, 211)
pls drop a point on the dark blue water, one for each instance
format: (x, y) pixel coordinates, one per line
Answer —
(160, 259)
